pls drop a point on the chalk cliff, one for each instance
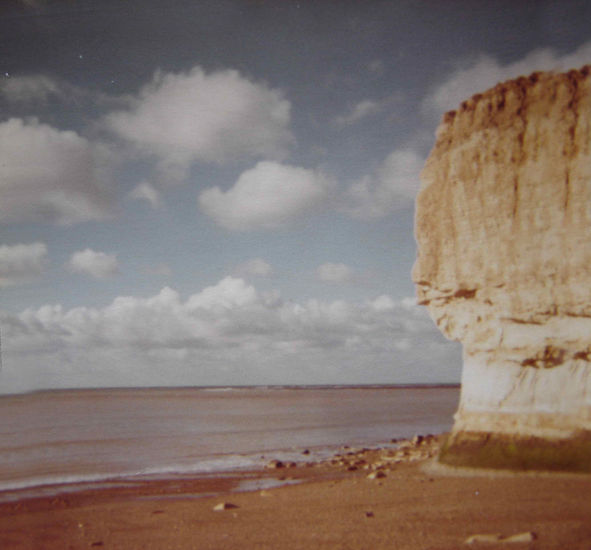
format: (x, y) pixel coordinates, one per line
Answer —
(503, 226)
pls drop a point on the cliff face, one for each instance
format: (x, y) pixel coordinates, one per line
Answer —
(503, 225)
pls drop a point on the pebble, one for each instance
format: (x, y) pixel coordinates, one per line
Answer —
(527, 536)
(224, 506)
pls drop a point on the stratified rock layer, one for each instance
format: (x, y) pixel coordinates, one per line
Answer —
(503, 225)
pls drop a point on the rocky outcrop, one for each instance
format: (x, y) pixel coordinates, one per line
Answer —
(503, 226)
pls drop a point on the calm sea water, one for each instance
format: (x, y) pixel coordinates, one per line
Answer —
(88, 435)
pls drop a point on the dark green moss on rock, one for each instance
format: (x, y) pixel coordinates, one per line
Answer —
(520, 453)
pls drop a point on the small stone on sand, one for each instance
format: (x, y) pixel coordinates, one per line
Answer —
(224, 506)
(376, 475)
(527, 536)
(496, 537)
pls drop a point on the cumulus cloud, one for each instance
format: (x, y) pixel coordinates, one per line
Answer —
(96, 264)
(334, 273)
(484, 71)
(29, 88)
(393, 185)
(38, 89)
(21, 263)
(359, 111)
(49, 175)
(195, 116)
(146, 192)
(267, 196)
(256, 267)
(232, 330)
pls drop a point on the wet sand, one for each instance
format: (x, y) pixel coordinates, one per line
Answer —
(329, 505)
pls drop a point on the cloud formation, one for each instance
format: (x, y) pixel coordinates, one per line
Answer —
(48, 175)
(195, 116)
(359, 111)
(484, 72)
(334, 273)
(38, 89)
(96, 264)
(256, 267)
(21, 263)
(392, 186)
(146, 192)
(267, 196)
(29, 88)
(257, 337)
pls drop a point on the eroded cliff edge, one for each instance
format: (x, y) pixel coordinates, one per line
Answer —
(503, 226)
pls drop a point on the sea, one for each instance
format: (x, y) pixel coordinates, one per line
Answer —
(51, 438)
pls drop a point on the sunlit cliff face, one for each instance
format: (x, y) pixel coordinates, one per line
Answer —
(503, 225)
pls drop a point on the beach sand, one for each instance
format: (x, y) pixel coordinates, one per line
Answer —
(329, 505)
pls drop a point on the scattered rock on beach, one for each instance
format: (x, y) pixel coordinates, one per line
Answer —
(378, 474)
(275, 465)
(528, 536)
(486, 538)
(224, 506)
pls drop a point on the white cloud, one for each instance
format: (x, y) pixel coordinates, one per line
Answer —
(484, 72)
(394, 185)
(229, 333)
(145, 191)
(383, 303)
(359, 111)
(50, 175)
(39, 89)
(195, 116)
(334, 273)
(267, 196)
(96, 264)
(229, 293)
(256, 267)
(21, 263)
(29, 88)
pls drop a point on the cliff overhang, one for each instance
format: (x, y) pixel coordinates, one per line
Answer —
(503, 227)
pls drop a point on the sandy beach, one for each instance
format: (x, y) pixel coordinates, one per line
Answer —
(360, 499)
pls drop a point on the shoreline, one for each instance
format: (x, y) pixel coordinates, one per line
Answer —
(122, 389)
(359, 498)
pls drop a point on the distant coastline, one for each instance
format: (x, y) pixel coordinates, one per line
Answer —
(241, 388)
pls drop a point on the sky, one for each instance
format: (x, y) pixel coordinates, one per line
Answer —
(222, 192)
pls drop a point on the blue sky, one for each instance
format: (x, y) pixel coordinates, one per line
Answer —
(212, 193)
